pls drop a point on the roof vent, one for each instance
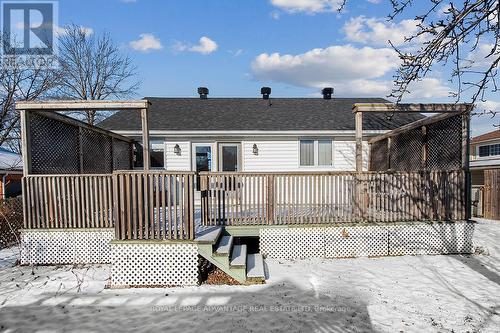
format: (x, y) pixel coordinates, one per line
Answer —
(327, 92)
(203, 91)
(265, 91)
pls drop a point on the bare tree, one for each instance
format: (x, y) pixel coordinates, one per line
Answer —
(20, 83)
(464, 34)
(93, 68)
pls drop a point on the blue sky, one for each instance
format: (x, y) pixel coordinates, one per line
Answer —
(294, 46)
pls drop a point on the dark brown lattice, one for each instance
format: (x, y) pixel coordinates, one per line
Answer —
(406, 151)
(57, 147)
(53, 146)
(379, 155)
(96, 152)
(444, 140)
(122, 155)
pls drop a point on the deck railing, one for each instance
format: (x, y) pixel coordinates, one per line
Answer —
(317, 198)
(159, 205)
(67, 201)
(154, 205)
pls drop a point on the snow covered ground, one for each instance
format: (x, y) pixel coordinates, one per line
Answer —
(410, 294)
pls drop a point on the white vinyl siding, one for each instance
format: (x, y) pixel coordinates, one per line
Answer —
(283, 155)
(176, 162)
(274, 154)
(344, 155)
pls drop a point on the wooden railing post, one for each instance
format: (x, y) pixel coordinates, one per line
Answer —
(270, 200)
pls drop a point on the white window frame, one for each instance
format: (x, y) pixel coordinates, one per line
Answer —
(316, 152)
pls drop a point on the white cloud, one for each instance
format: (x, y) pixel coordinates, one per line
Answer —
(486, 117)
(374, 1)
(145, 43)
(351, 71)
(480, 59)
(428, 88)
(61, 31)
(205, 46)
(307, 6)
(345, 67)
(236, 53)
(378, 31)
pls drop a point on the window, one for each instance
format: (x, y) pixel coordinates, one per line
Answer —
(489, 150)
(315, 152)
(325, 152)
(306, 152)
(157, 155)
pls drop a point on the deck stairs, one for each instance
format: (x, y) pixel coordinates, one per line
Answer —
(218, 247)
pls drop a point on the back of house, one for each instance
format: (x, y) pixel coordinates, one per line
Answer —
(254, 134)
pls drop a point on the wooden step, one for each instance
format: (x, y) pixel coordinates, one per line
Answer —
(255, 266)
(209, 235)
(224, 246)
(239, 256)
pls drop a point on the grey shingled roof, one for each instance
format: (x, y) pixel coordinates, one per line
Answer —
(177, 114)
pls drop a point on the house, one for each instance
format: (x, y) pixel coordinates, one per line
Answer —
(254, 134)
(236, 181)
(11, 172)
(485, 172)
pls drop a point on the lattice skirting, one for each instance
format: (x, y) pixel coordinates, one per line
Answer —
(154, 264)
(66, 246)
(366, 240)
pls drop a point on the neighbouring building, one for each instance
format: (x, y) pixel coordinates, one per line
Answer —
(11, 173)
(485, 172)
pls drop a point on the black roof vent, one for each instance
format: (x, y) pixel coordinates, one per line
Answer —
(203, 91)
(327, 92)
(265, 91)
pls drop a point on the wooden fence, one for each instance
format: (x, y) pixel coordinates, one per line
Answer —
(296, 198)
(154, 205)
(492, 194)
(67, 201)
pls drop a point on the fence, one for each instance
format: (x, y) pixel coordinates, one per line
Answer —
(154, 205)
(492, 194)
(68, 201)
(61, 145)
(317, 198)
(434, 143)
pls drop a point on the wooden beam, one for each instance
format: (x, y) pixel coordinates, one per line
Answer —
(419, 108)
(359, 141)
(73, 105)
(145, 138)
(25, 145)
(413, 125)
(75, 122)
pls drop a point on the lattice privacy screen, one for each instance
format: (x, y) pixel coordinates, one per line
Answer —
(57, 147)
(437, 146)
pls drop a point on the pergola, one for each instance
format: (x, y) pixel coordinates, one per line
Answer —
(390, 108)
(52, 107)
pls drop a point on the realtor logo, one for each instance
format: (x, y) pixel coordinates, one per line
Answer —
(28, 33)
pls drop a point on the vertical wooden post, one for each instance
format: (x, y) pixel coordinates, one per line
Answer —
(145, 138)
(25, 144)
(358, 125)
(270, 199)
(465, 162)
(425, 149)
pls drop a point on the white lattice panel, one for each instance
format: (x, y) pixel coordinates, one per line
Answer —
(367, 240)
(436, 238)
(290, 243)
(154, 264)
(357, 241)
(66, 246)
